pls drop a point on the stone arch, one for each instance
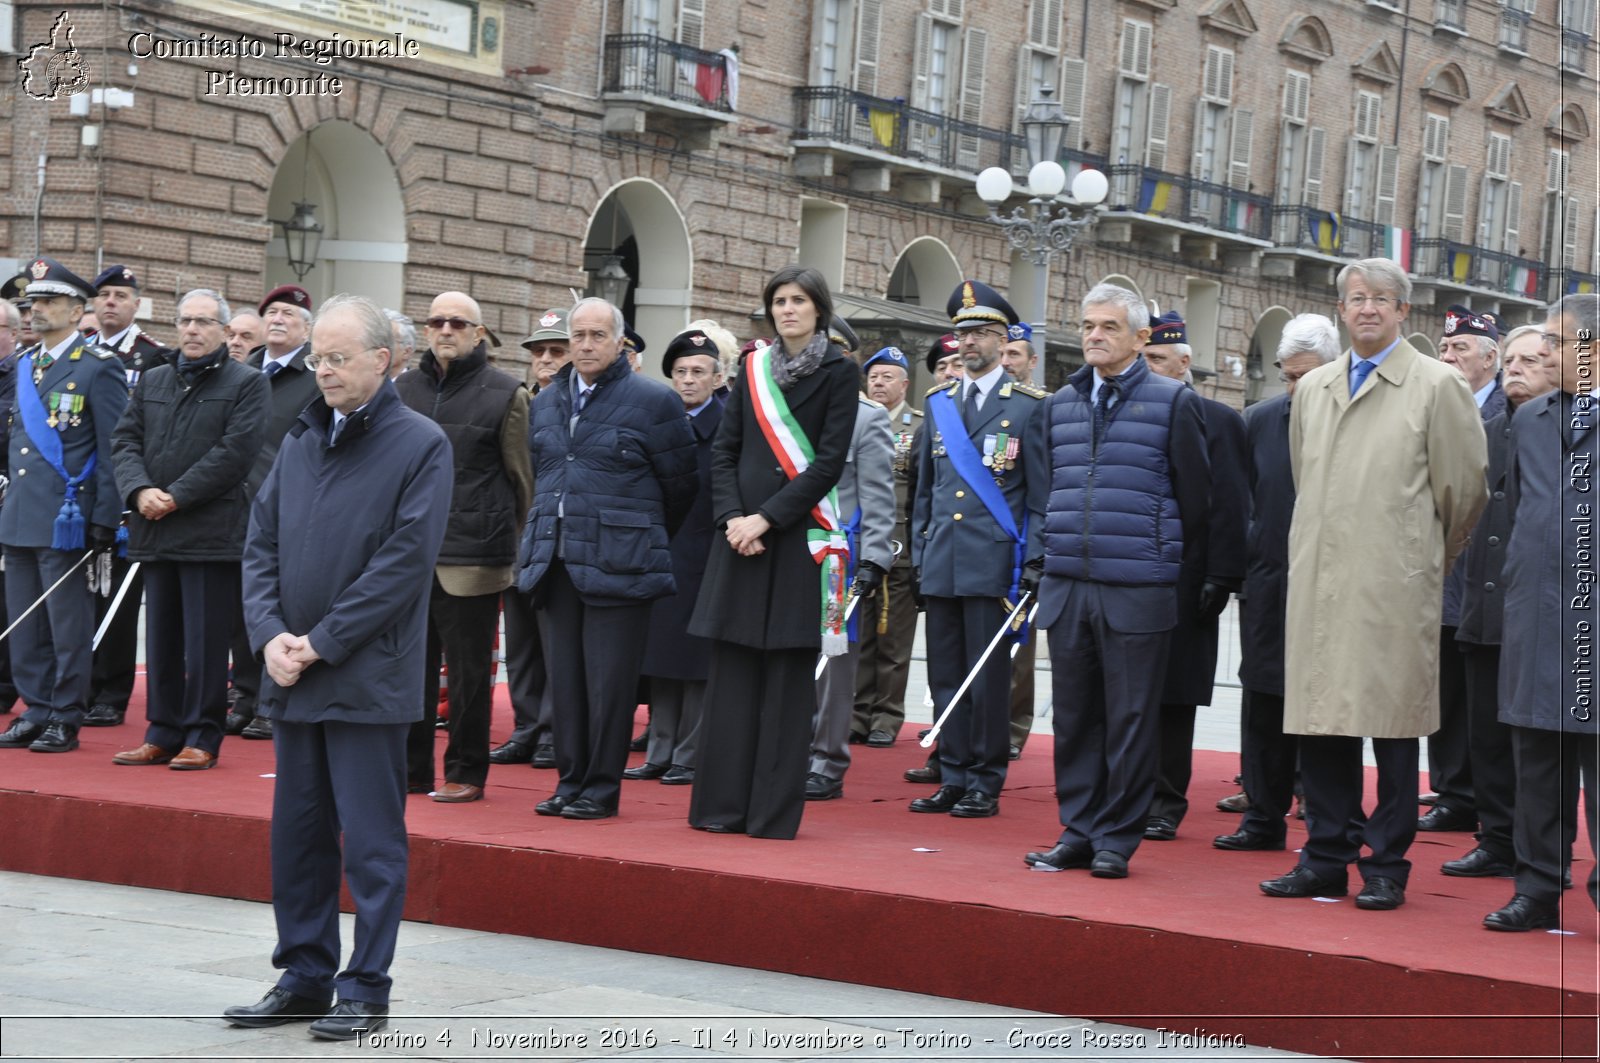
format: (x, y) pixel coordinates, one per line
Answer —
(1447, 82)
(1261, 373)
(348, 176)
(1307, 37)
(639, 225)
(925, 274)
(1568, 122)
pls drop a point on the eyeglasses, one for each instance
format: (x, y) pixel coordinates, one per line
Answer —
(1377, 302)
(460, 324)
(993, 334)
(203, 322)
(332, 361)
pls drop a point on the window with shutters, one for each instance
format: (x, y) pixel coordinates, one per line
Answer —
(1441, 188)
(974, 60)
(1498, 206)
(1450, 15)
(644, 16)
(1577, 28)
(1299, 181)
(1559, 223)
(1137, 137)
(692, 22)
(1044, 24)
(830, 53)
(1216, 133)
(1514, 18)
(1035, 68)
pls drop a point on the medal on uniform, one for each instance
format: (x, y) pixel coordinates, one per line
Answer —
(990, 445)
(52, 403)
(1013, 445)
(75, 407)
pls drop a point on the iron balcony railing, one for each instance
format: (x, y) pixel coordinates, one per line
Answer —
(654, 66)
(1327, 232)
(893, 127)
(1189, 199)
(1570, 282)
(1478, 267)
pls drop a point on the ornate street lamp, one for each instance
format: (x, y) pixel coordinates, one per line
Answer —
(611, 280)
(302, 238)
(1038, 232)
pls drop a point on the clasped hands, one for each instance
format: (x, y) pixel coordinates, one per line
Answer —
(154, 503)
(744, 534)
(286, 656)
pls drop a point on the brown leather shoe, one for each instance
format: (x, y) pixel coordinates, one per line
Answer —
(145, 754)
(457, 792)
(192, 759)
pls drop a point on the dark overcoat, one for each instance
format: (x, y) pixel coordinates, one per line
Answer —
(293, 389)
(1548, 654)
(773, 600)
(342, 544)
(670, 652)
(196, 438)
(1218, 557)
(1264, 601)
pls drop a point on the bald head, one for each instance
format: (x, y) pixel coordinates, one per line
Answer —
(454, 326)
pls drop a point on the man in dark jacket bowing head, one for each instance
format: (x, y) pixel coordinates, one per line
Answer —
(337, 567)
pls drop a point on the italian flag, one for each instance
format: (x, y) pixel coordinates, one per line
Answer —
(1397, 246)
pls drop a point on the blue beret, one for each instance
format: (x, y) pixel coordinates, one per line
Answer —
(888, 356)
(1020, 331)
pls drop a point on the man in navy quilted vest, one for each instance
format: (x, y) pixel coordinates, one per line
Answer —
(1129, 484)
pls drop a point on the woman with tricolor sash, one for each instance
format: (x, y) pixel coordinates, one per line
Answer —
(774, 590)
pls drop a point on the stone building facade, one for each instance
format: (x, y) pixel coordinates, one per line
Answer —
(681, 150)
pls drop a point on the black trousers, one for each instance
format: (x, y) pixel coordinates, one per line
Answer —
(189, 607)
(461, 631)
(1268, 760)
(755, 740)
(8, 689)
(1494, 776)
(974, 744)
(1449, 749)
(339, 798)
(1174, 762)
(245, 677)
(111, 674)
(1332, 776)
(595, 652)
(1106, 691)
(526, 676)
(1550, 765)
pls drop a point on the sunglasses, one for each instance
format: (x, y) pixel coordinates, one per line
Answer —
(439, 324)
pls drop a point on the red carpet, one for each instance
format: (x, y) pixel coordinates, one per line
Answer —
(1187, 941)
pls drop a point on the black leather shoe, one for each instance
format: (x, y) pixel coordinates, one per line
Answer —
(1523, 914)
(278, 1007)
(1107, 864)
(1304, 882)
(1239, 802)
(927, 774)
(975, 805)
(57, 738)
(587, 808)
(544, 756)
(1160, 829)
(102, 715)
(259, 728)
(941, 800)
(1480, 863)
(234, 722)
(821, 788)
(552, 806)
(511, 752)
(350, 1018)
(1440, 818)
(1246, 841)
(21, 734)
(1013, 752)
(639, 744)
(1063, 857)
(678, 776)
(880, 739)
(1381, 894)
(646, 771)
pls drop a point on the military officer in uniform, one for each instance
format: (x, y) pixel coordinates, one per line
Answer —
(1019, 359)
(889, 629)
(976, 542)
(944, 358)
(61, 503)
(116, 301)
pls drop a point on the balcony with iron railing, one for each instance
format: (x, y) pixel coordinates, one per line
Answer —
(655, 84)
(1570, 282)
(1312, 243)
(838, 124)
(1198, 218)
(1514, 30)
(1450, 16)
(1449, 264)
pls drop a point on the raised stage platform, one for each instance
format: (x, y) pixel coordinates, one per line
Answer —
(870, 893)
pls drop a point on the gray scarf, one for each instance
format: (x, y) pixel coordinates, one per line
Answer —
(788, 370)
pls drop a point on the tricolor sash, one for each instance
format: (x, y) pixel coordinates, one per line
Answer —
(68, 533)
(829, 548)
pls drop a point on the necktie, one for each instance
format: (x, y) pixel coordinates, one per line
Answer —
(1102, 406)
(1363, 370)
(582, 401)
(969, 409)
(273, 369)
(334, 432)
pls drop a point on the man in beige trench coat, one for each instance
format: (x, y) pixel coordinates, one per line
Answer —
(1389, 462)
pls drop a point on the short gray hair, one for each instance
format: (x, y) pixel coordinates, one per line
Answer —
(1308, 334)
(225, 314)
(1582, 307)
(406, 327)
(13, 316)
(370, 319)
(618, 323)
(1137, 312)
(1524, 330)
(1381, 273)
